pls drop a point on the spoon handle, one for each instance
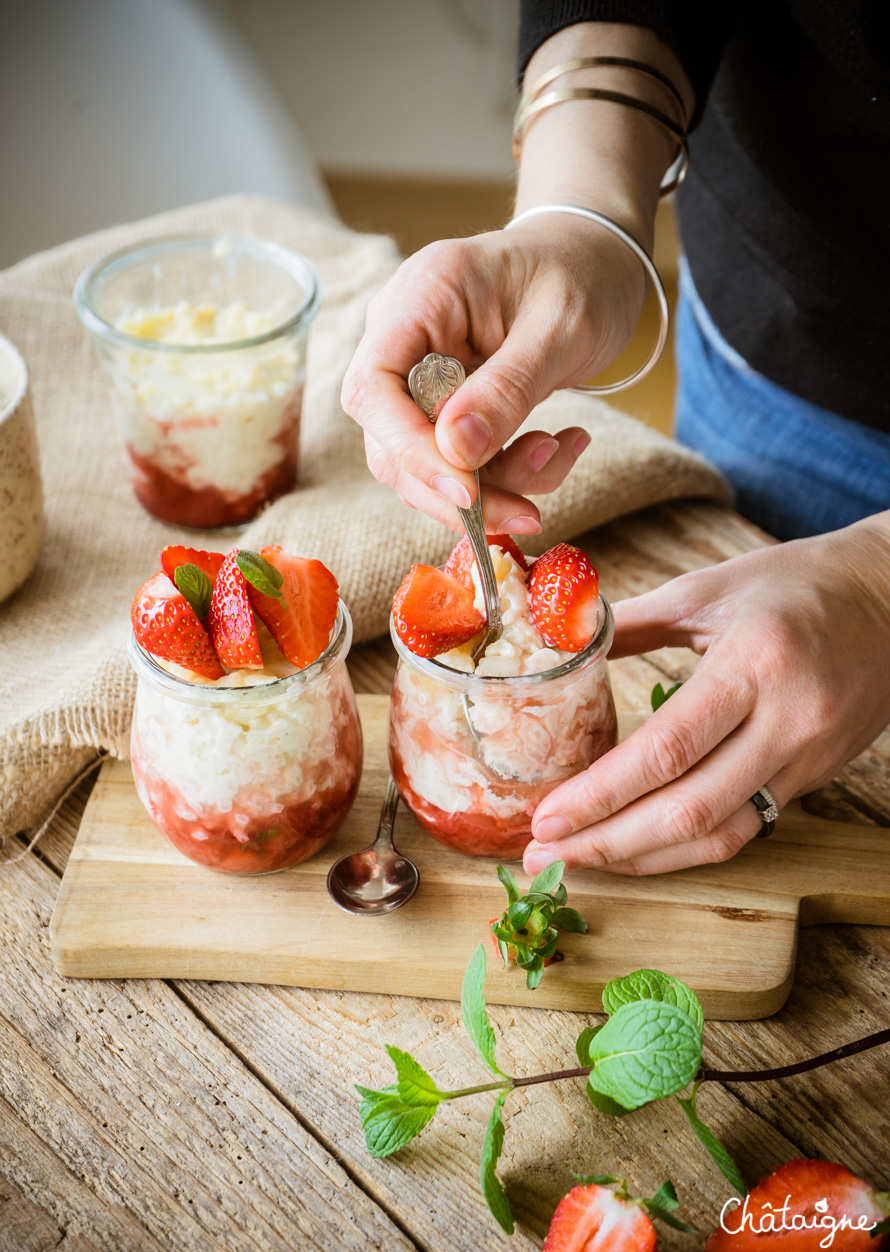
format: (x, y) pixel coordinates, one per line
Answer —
(475, 528)
(387, 814)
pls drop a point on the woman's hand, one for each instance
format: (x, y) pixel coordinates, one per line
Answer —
(544, 306)
(794, 682)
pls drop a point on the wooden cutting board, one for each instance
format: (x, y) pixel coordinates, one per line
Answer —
(130, 906)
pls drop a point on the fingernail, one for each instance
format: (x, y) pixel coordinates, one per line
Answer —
(543, 453)
(537, 858)
(582, 442)
(549, 828)
(470, 437)
(453, 491)
(521, 526)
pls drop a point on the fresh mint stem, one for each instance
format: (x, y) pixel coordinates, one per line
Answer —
(799, 1067)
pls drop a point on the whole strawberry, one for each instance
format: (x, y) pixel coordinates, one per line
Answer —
(800, 1206)
(433, 612)
(165, 624)
(230, 620)
(563, 596)
(593, 1218)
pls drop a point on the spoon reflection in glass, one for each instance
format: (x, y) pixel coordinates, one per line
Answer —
(379, 879)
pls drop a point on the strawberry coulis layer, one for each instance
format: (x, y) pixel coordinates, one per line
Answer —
(169, 497)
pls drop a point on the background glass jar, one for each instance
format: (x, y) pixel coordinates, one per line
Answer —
(204, 343)
(248, 779)
(473, 757)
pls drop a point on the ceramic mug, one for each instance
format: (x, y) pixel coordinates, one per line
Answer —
(21, 493)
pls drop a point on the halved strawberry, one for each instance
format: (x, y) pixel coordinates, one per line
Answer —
(176, 554)
(460, 564)
(809, 1195)
(166, 625)
(434, 612)
(230, 622)
(594, 1219)
(563, 595)
(302, 619)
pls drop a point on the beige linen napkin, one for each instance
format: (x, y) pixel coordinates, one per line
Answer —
(66, 689)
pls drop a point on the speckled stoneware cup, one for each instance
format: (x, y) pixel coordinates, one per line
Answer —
(21, 493)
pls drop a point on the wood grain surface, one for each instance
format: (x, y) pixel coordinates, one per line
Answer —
(132, 1114)
(132, 906)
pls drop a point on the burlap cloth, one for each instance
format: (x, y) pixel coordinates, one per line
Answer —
(66, 689)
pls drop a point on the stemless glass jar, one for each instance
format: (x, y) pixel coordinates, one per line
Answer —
(473, 757)
(204, 343)
(248, 779)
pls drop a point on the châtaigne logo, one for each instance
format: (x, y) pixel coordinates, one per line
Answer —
(769, 1220)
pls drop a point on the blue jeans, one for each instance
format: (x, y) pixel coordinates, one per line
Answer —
(796, 469)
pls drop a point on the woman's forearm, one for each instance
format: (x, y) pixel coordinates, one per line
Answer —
(603, 155)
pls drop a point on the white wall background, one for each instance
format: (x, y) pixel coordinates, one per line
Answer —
(408, 87)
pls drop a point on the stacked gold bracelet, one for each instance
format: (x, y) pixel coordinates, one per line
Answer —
(533, 102)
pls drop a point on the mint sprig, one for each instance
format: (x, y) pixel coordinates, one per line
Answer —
(652, 984)
(474, 1011)
(495, 1196)
(711, 1143)
(260, 573)
(645, 1051)
(528, 929)
(659, 695)
(195, 586)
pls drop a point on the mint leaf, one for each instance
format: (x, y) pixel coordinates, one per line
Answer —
(495, 1196)
(603, 1103)
(195, 586)
(261, 573)
(549, 877)
(474, 1012)
(652, 984)
(711, 1143)
(414, 1085)
(582, 1043)
(388, 1121)
(570, 919)
(511, 886)
(659, 695)
(645, 1051)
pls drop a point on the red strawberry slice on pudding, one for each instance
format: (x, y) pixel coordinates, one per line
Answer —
(460, 564)
(302, 617)
(433, 612)
(230, 621)
(174, 555)
(166, 625)
(563, 596)
(594, 1219)
(809, 1195)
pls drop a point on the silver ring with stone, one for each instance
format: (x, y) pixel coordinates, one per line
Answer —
(765, 803)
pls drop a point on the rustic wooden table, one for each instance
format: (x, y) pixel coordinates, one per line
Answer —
(186, 1115)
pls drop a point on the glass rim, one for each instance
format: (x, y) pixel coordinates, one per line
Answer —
(297, 265)
(146, 666)
(598, 647)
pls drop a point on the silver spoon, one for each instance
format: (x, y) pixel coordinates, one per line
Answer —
(379, 879)
(433, 381)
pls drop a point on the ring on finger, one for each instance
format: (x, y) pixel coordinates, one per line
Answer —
(765, 803)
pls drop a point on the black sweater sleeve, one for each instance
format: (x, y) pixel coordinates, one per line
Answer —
(696, 30)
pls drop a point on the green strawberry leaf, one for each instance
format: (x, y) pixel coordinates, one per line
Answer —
(533, 976)
(527, 958)
(882, 1228)
(474, 1012)
(510, 885)
(519, 913)
(668, 1218)
(195, 586)
(560, 895)
(570, 919)
(645, 1051)
(652, 984)
(414, 1084)
(603, 1103)
(659, 695)
(549, 878)
(388, 1121)
(260, 573)
(601, 1180)
(495, 1196)
(666, 1196)
(711, 1143)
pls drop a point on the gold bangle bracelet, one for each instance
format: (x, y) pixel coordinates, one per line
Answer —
(648, 265)
(586, 63)
(565, 94)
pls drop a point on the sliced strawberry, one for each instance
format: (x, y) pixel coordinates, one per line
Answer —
(460, 564)
(563, 595)
(230, 622)
(302, 619)
(594, 1219)
(166, 625)
(434, 612)
(816, 1192)
(175, 555)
